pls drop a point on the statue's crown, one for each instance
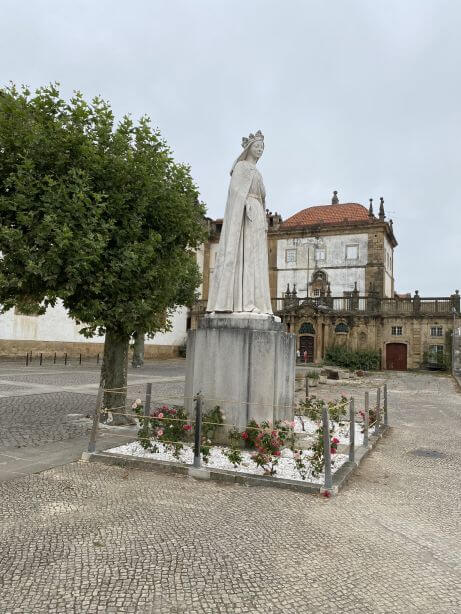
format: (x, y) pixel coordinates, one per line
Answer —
(247, 140)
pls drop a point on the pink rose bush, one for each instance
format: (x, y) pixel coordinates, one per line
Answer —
(268, 439)
(167, 425)
(317, 459)
(334, 445)
(172, 427)
(372, 415)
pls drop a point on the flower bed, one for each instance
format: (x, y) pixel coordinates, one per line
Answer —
(272, 449)
(341, 431)
(217, 459)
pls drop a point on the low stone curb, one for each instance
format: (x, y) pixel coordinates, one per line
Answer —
(340, 477)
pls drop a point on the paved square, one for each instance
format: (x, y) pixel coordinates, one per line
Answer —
(92, 538)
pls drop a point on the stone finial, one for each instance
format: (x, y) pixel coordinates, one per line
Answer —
(328, 289)
(416, 292)
(335, 199)
(294, 293)
(288, 290)
(370, 209)
(381, 209)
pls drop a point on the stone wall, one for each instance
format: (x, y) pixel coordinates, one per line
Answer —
(370, 332)
(87, 350)
(457, 354)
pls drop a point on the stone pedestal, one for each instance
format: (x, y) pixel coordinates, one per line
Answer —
(243, 363)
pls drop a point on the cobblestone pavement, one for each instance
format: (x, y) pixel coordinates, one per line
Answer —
(45, 412)
(93, 538)
(42, 405)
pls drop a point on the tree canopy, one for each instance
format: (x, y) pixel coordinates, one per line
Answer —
(95, 212)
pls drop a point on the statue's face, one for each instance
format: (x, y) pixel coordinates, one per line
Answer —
(257, 149)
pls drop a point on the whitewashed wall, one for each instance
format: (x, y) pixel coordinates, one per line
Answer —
(341, 273)
(55, 325)
(177, 335)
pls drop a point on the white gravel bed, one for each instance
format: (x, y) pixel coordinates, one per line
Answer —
(340, 431)
(285, 469)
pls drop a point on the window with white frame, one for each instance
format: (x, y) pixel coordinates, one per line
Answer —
(397, 331)
(317, 292)
(352, 252)
(320, 253)
(290, 256)
(436, 331)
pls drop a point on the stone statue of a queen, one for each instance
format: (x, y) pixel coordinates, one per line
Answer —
(240, 281)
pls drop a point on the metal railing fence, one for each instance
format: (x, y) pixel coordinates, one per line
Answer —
(374, 419)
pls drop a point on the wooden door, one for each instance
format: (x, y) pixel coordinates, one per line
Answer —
(306, 343)
(396, 356)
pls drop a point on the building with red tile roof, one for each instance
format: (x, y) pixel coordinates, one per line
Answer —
(327, 214)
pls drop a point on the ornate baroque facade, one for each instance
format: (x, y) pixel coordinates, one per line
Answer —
(331, 271)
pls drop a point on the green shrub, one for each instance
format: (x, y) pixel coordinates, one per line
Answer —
(436, 360)
(312, 408)
(349, 359)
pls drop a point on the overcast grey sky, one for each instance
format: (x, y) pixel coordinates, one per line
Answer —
(360, 96)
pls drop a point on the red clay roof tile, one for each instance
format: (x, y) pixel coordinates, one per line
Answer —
(328, 214)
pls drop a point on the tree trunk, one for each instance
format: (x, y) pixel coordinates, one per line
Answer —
(114, 374)
(138, 349)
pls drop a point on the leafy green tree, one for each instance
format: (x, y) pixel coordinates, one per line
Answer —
(98, 214)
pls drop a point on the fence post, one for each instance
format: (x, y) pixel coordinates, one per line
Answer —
(366, 419)
(307, 386)
(352, 430)
(41, 358)
(327, 449)
(54, 359)
(378, 410)
(97, 411)
(65, 359)
(27, 359)
(198, 431)
(148, 398)
(97, 359)
(386, 419)
(80, 359)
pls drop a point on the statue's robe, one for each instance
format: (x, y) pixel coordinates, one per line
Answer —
(240, 280)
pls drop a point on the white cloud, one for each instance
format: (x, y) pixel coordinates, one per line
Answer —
(357, 96)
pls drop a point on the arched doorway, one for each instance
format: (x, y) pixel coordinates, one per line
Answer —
(396, 356)
(306, 344)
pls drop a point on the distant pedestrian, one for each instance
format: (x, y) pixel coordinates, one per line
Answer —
(305, 356)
